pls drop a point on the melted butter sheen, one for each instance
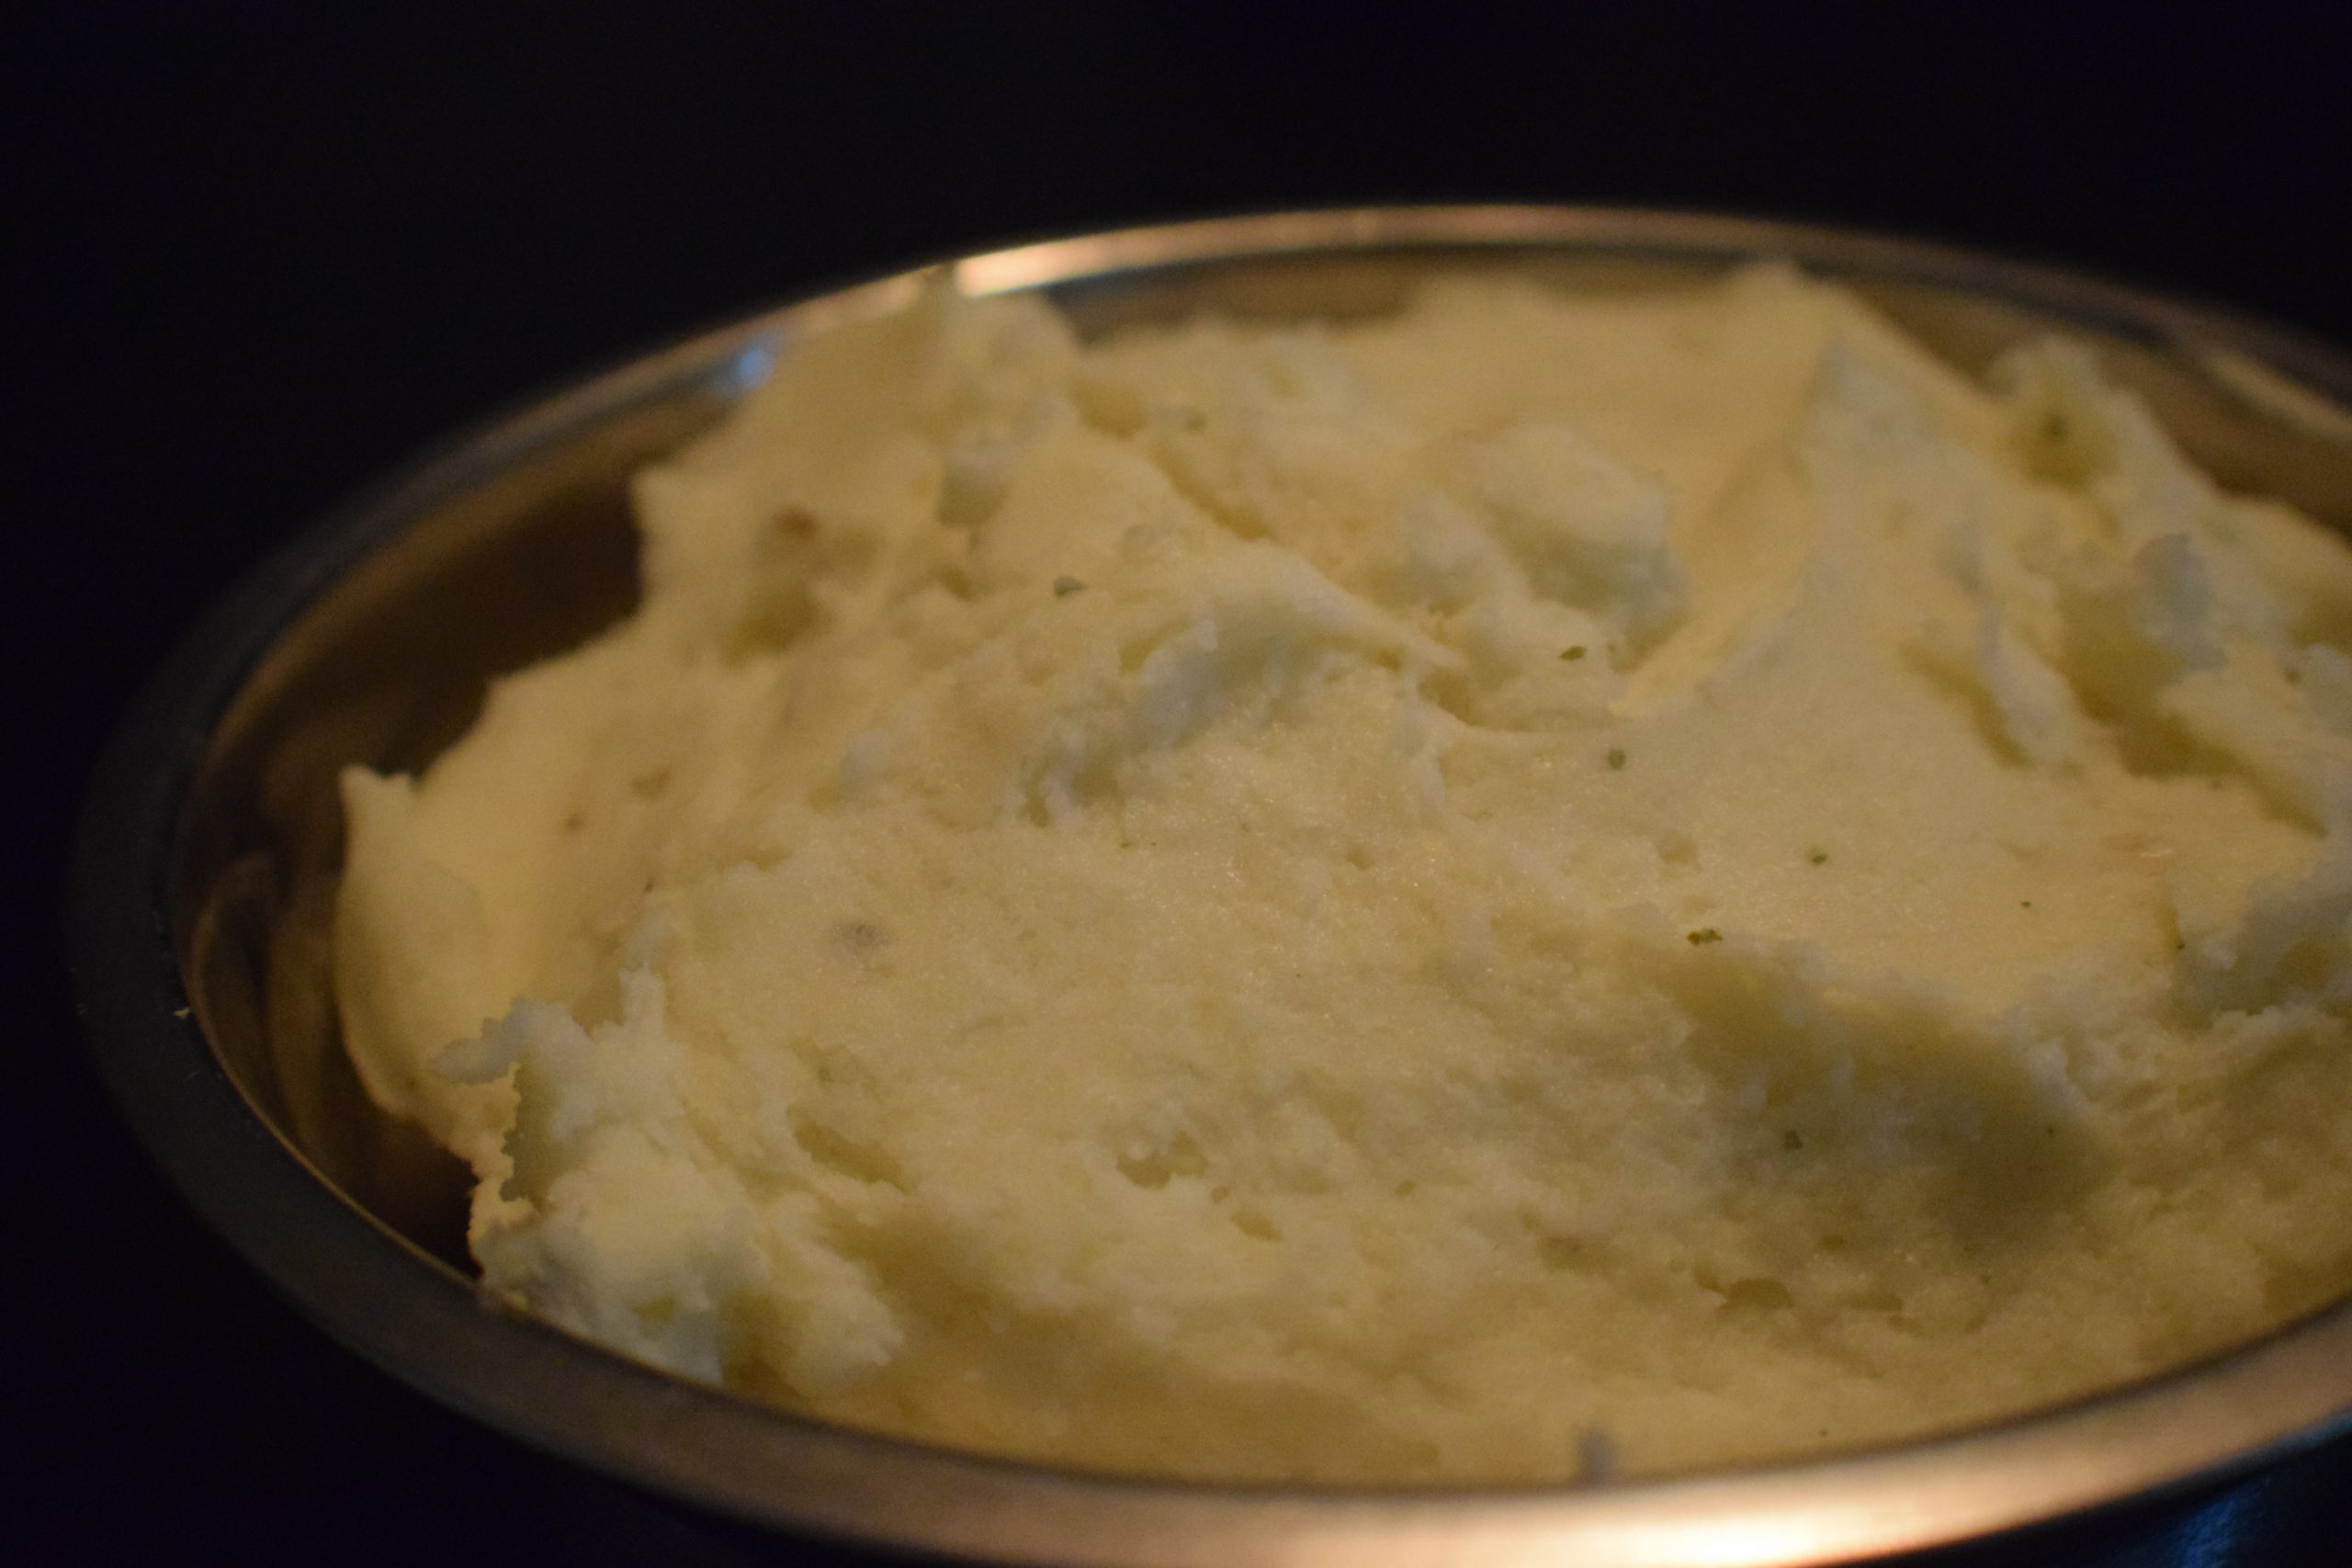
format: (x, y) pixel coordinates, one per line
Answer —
(1654, 875)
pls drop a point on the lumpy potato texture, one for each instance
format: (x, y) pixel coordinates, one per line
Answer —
(1539, 884)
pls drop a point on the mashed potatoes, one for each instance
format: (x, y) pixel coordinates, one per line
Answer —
(1541, 882)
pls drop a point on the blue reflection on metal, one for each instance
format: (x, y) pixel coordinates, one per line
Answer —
(752, 366)
(2210, 1540)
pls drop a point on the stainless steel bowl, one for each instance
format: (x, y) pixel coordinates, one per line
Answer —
(213, 835)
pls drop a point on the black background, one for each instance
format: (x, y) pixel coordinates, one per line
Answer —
(256, 252)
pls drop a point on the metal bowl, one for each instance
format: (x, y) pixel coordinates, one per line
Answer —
(212, 838)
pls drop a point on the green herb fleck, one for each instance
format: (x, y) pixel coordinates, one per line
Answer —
(2025, 903)
(1065, 586)
(1573, 654)
(1704, 935)
(1818, 857)
(1616, 756)
(1793, 1139)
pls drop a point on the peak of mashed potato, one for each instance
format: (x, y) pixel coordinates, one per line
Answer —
(1409, 901)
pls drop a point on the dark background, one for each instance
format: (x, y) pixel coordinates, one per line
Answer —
(256, 252)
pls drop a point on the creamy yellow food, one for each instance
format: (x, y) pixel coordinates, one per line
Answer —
(1538, 884)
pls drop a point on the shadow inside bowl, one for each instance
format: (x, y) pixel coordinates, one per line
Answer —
(387, 668)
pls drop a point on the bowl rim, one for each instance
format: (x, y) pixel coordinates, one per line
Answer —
(424, 1324)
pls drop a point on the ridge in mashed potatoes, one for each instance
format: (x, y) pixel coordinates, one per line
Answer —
(1371, 903)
